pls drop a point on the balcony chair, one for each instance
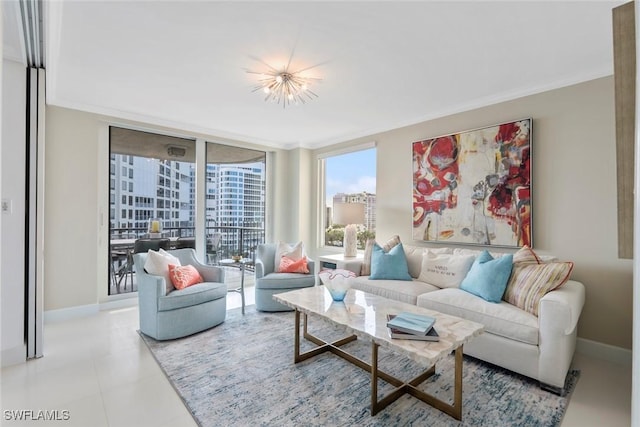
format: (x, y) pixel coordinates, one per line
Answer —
(181, 312)
(185, 242)
(213, 248)
(140, 245)
(269, 283)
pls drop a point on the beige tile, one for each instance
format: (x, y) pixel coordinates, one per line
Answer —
(99, 369)
(147, 402)
(602, 396)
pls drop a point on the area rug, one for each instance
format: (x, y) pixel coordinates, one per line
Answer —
(241, 373)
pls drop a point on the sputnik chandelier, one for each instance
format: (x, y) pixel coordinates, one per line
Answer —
(285, 86)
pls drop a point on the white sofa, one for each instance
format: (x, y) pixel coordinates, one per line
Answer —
(539, 347)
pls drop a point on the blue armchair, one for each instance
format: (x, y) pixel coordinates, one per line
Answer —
(181, 312)
(269, 283)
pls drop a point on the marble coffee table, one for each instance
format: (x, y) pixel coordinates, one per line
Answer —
(364, 316)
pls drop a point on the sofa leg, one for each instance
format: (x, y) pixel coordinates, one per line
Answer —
(560, 391)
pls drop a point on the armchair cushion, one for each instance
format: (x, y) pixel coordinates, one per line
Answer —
(286, 281)
(192, 295)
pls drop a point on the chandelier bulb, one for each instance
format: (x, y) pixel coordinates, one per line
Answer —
(266, 90)
(279, 78)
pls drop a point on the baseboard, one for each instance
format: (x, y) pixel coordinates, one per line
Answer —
(116, 303)
(69, 313)
(13, 356)
(610, 353)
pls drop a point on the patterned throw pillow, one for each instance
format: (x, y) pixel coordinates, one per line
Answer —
(184, 276)
(365, 269)
(157, 264)
(531, 279)
(289, 265)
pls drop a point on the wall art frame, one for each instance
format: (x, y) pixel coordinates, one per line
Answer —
(474, 187)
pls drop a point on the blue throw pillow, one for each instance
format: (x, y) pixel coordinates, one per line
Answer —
(390, 265)
(488, 277)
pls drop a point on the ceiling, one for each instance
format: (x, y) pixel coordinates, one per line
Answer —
(383, 64)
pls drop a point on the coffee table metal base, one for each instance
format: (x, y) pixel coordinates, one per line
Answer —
(402, 387)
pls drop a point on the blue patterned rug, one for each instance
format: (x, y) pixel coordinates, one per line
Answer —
(241, 373)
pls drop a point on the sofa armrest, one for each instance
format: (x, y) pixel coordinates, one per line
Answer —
(561, 308)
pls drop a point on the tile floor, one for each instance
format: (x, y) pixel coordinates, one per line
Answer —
(99, 370)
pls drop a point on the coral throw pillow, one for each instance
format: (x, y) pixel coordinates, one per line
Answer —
(184, 276)
(295, 252)
(289, 265)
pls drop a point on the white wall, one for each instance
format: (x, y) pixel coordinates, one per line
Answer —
(13, 224)
(574, 191)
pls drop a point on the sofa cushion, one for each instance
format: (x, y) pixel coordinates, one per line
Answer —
(444, 270)
(501, 319)
(390, 265)
(399, 290)
(286, 281)
(488, 277)
(192, 295)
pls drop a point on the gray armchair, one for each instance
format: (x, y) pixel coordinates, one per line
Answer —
(181, 312)
(269, 283)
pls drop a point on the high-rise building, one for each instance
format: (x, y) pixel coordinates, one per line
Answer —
(143, 188)
(369, 201)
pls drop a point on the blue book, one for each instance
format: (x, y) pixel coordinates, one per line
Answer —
(411, 323)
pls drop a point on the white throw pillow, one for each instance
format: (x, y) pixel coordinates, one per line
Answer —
(445, 270)
(157, 264)
(295, 252)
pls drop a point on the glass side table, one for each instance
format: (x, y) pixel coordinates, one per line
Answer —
(240, 264)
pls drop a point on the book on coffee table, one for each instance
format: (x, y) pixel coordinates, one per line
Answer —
(411, 323)
(432, 335)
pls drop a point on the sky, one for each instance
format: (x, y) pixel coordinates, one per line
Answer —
(350, 173)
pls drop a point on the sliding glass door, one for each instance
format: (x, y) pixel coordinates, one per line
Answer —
(152, 194)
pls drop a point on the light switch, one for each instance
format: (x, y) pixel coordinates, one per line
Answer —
(7, 206)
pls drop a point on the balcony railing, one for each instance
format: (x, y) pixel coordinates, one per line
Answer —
(232, 239)
(229, 240)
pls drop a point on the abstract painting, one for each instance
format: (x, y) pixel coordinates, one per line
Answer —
(474, 187)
